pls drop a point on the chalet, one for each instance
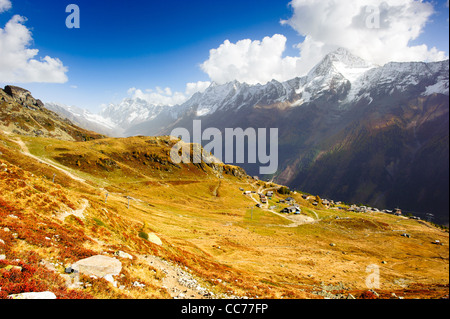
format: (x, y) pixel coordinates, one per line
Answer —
(398, 212)
(295, 209)
(326, 202)
(290, 199)
(315, 203)
(269, 194)
(290, 210)
(281, 201)
(256, 178)
(247, 192)
(264, 200)
(305, 196)
(241, 189)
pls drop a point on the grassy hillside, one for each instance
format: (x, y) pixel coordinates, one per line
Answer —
(207, 227)
(184, 230)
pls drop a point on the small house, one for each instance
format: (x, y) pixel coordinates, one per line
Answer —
(293, 209)
(247, 192)
(290, 210)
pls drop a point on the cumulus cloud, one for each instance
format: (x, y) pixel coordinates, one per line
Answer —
(18, 63)
(5, 5)
(250, 61)
(376, 30)
(165, 96)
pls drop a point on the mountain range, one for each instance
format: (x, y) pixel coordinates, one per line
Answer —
(349, 130)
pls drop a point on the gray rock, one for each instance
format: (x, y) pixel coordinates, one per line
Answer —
(98, 266)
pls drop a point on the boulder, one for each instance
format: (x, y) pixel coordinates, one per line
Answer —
(154, 239)
(34, 295)
(98, 266)
(23, 97)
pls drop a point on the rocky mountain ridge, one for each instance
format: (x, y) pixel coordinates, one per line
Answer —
(348, 129)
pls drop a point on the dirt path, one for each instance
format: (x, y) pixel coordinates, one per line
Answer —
(25, 151)
(179, 283)
(77, 213)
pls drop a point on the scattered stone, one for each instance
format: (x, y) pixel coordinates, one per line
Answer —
(332, 244)
(10, 267)
(384, 262)
(110, 279)
(374, 292)
(69, 270)
(138, 284)
(122, 254)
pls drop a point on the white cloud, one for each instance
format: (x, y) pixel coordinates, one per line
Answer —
(18, 63)
(375, 30)
(165, 96)
(5, 5)
(378, 31)
(250, 61)
(200, 86)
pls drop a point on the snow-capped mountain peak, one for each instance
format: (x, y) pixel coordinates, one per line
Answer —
(340, 80)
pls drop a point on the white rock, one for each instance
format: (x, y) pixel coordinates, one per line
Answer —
(34, 295)
(110, 278)
(98, 266)
(154, 239)
(123, 254)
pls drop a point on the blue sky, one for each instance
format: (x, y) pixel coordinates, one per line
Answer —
(149, 44)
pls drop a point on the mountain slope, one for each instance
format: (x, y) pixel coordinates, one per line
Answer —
(85, 119)
(392, 115)
(21, 113)
(188, 231)
(344, 101)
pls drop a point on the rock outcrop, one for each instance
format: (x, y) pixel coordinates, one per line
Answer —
(23, 97)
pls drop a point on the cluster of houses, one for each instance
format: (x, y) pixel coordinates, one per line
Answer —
(367, 209)
(315, 200)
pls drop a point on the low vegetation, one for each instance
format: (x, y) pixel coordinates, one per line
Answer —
(127, 189)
